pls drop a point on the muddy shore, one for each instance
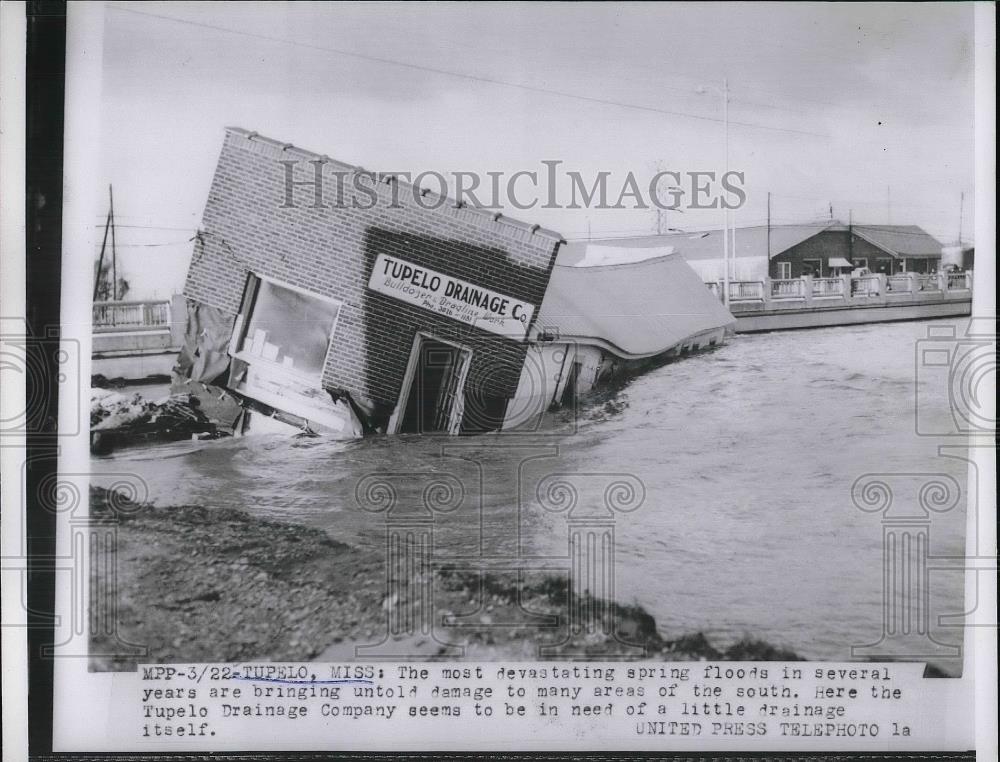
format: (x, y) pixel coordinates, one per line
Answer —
(196, 585)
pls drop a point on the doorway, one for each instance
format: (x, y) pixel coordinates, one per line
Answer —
(431, 398)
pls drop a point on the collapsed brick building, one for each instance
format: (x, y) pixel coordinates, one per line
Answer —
(316, 288)
(327, 298)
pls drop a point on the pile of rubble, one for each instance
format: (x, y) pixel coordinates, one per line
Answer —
(121, 419)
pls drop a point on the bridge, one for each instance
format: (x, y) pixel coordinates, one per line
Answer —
(140, 339)
(774, 304)
(137, 340)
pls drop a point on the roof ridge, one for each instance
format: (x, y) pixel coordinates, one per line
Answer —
(686, 234)
(647, 260)
(452, 204)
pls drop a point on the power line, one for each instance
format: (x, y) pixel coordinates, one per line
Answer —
(780, 221)
(856, 202)
(471, 77)
(152, 245)
(154, 227)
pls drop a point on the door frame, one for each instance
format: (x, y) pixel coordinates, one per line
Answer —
(457, 408)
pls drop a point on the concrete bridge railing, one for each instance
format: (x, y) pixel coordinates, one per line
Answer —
(846, 290)
(135, 339)
(131, 316)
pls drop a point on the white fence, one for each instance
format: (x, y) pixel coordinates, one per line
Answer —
(845, 287)
(928, 283)
(959, 281)
(746, 291)
(131, 316)
(867, 285)
(828, 287)
(788, 288)
(898, 283)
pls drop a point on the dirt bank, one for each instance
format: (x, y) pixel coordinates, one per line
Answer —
(196, 584)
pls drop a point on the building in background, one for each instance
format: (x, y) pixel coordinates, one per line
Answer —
(960, 256)
(903, 248)
(783, 251)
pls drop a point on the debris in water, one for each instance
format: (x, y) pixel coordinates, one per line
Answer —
(121, 419)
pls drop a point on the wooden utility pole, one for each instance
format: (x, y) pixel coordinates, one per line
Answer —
(100, 261)
(769, 229)
(725, 212)
(114, 250)
(850, 235)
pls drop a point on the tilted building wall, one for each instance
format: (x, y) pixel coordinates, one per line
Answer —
(327, 246)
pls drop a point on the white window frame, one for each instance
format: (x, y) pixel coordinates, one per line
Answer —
(860, 262)
(243, 321)
(784, 270)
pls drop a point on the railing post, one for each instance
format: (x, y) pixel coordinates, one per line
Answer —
(807, 289)
(768, 295)
(845, 288)
(968, 279)
(178, 319)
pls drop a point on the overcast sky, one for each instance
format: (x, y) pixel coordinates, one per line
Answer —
(865, 106)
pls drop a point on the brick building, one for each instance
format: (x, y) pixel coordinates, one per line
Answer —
(888, 249)
(327, 297)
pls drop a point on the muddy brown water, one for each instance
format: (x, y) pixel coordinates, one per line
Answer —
(747, 455)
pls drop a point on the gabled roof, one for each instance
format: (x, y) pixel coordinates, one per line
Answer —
(901, 240)
(708, 244)
(635, 310)
(898, 240)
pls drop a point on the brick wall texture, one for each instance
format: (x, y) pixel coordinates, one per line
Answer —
(331, 251)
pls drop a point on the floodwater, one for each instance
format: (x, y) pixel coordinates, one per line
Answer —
(747, 455)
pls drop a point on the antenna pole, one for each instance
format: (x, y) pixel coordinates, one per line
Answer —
(100, 261)
(769, 229)
(961, 213)
(850, 235)
(725, 211)
(114, 250)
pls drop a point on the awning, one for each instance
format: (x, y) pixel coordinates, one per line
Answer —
(839, 262)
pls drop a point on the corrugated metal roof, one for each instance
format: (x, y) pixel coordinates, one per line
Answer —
(750, 242)
(902, 240)
(635, 310)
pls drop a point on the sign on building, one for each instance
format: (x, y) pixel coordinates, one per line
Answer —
(452, 297)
